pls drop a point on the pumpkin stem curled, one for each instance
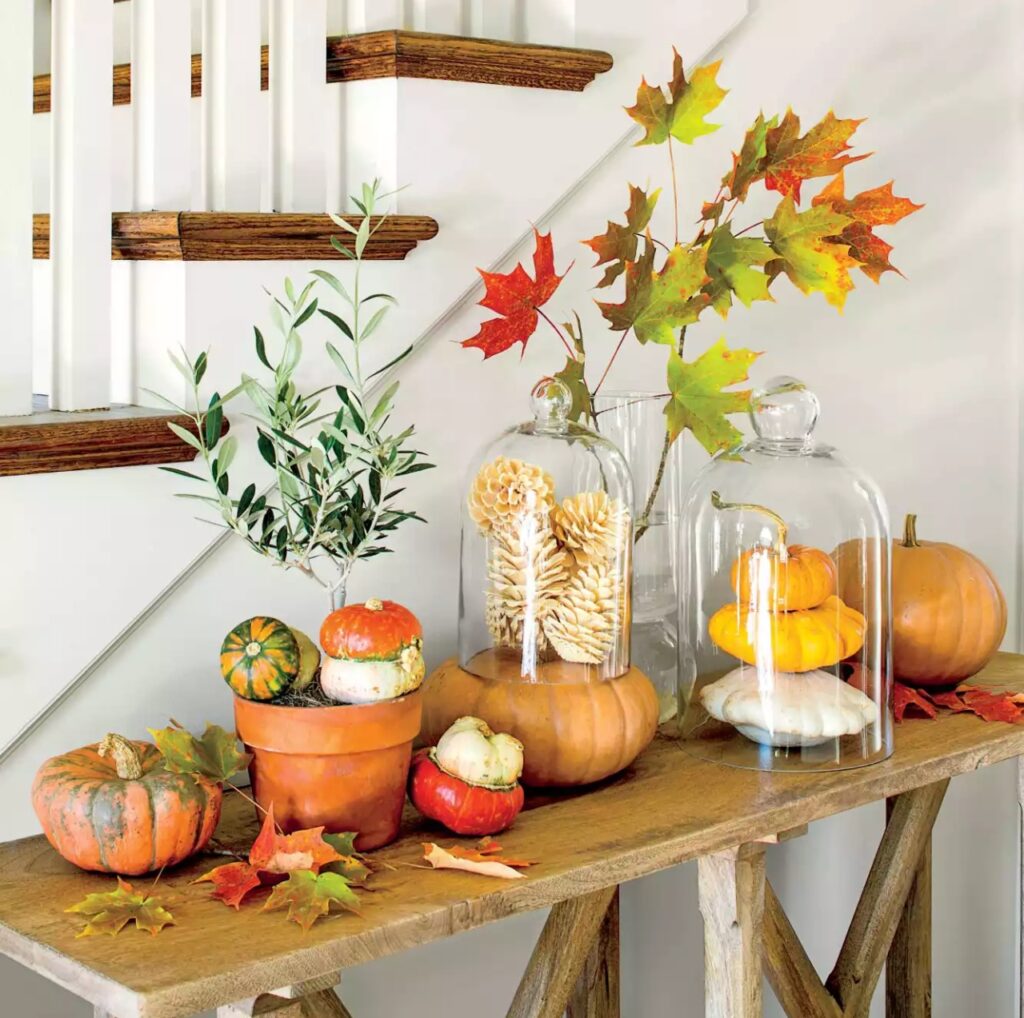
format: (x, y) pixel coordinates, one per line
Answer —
(125, 755)
(780, 523)
(910, 531)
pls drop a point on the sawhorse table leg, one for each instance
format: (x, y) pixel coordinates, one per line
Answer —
(312, 999)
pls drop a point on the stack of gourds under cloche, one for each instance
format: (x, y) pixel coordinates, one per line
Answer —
(790, 630)
(552, 571)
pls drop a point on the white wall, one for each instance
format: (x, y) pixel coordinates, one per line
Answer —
(920, 383)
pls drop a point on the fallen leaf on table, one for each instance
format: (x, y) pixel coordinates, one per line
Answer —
(110, 911)
(488, 850)
(308, 896)
(273, 855)
(984, 703)
(285, 853)
(215, 755)
(441, 859)
(232, 882)
(906, 698)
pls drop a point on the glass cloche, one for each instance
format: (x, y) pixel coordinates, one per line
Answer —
(544, 602)
(786, 613)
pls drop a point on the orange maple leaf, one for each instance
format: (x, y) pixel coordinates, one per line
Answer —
(791, 158)
(285, 853)
(875, 207)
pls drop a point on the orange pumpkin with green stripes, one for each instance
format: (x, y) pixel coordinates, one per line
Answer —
(114, 808)
(260, 658)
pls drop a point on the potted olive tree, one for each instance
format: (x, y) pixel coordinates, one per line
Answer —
(329, 500)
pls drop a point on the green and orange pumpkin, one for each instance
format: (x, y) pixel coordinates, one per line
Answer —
(114, 808)
(260, 658)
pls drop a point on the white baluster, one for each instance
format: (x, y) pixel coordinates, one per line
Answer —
(161, 162)
(550, 22)
(233, 125)
(495, 19)
(449, 17)
(16, 18)
(376, 15)
(298, 92)
(80, 202)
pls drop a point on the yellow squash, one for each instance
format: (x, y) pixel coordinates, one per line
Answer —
(793, 641)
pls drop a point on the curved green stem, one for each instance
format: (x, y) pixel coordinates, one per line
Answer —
(780, 523)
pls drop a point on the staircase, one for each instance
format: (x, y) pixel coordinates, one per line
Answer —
(470, 124)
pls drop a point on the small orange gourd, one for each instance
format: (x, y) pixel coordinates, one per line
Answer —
(793, 641)
(948, 613)
(786, 577)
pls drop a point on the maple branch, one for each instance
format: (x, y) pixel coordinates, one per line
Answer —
(644, 523)
(611, 361)
(675, 188)
(559, 333)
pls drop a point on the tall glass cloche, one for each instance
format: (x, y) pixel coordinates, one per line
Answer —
(544, 604)
(786, 613)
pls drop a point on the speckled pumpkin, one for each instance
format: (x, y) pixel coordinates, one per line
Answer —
(113, 808)
(260, 658)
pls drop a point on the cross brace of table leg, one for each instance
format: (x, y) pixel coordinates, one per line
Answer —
(575, 961)
(892, 918)
(312, 999)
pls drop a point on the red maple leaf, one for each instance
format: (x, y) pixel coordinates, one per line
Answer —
(232, 882)
(285, 853)
(991, 706)
(906, 698)
(516, 297)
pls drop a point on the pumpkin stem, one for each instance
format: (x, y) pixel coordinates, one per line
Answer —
(910, 531)
(718, 503)
(126, 757)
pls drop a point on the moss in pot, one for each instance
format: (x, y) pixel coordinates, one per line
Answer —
(328, 502)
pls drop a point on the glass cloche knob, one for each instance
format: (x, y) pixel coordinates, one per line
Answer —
(551, 402)
(785, 410)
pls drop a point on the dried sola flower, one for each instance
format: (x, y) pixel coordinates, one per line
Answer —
(527, 569)
(583, 625)
(505, 489)
(590, 525)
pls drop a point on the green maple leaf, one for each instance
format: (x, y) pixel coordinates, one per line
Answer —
(572, 375)
(659, 303)
(215, 755)
(809, 250)
(308, 896)
(682, 114)
(111, 911)
(732, 269)
(351, 865)
(619, 241)
(748, 163)
(697, 399)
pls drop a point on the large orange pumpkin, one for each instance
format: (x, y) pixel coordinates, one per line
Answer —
(948, 613)
(573, 732)
(113, 808)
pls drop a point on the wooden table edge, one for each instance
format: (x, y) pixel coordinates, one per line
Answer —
(183, 999)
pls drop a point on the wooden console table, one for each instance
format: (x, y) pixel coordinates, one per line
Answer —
(669, 808)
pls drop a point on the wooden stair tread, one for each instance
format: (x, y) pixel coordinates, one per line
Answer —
(49, 441)
(406, 54)
(243, 236)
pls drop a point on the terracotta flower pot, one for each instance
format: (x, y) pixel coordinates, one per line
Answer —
(343, 767)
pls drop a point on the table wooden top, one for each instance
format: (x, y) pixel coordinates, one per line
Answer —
(668, 808)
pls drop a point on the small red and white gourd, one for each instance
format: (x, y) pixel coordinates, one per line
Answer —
(373, 652)
(469, 781)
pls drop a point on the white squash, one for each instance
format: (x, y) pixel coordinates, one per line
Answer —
(471, 751)
(790, 708)
(351, 681)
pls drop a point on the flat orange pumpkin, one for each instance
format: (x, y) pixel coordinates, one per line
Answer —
(801, 577)
(374, 631)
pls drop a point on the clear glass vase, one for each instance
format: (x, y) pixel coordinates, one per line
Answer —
(635, 422)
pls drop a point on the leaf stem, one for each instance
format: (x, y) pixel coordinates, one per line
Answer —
(675, 189)
(558, 332)
(608, 366)
(747, 229)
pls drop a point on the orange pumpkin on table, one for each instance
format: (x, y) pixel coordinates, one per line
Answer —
(949, 615)
(113, 808)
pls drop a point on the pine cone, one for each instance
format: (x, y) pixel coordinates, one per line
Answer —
(583, 625)
(505, 489)
(527, 569)
(590, 526)
(507, 630)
